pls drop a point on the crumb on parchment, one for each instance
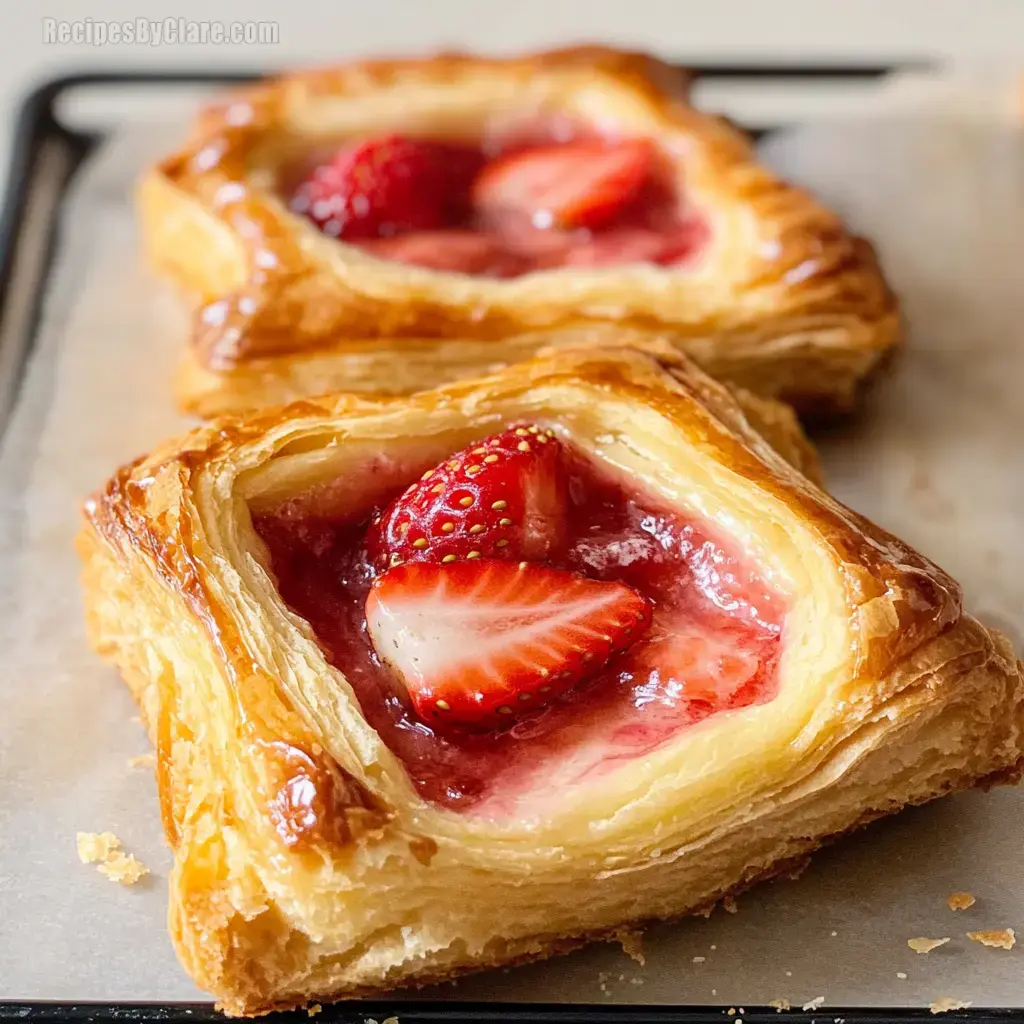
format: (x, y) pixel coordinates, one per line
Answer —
(1004, 939)
(313, 1010)
(729, 905)
(104, 850)
(94, 847)
(778, 1005)
(923, 945)
(123, 868)
(813, 1004)
(961, 900)
(902, 975)
(945, 1004)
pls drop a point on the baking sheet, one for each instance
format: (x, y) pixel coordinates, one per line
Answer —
(936, 458)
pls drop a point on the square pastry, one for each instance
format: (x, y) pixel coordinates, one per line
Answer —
(572, 641)
(390, 226)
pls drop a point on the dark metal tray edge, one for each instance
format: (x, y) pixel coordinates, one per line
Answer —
(483, 1013)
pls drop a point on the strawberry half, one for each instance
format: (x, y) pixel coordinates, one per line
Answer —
(479, 643)
(384, 186)
(503, 497)
(575, 185)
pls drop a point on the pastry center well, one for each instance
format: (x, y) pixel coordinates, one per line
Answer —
(534, 198)
(638, 622)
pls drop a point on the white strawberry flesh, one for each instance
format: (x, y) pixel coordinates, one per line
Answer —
(479, 644)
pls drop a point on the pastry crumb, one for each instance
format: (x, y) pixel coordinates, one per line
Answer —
(945, 1004)
(961, 900)
(104, 850)
(313, 1010)
(142, 761)
(123, 868)
(732, 1011)
(1004, 939)
(902, 975)
(632, 943)
(94, 847)
(814, 1004)
(834, 934)
(699, 959)
(778, 1005)
(729, 905)
(923, 945)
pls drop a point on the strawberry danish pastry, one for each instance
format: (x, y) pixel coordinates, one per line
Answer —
(390, 226)
(572, 640)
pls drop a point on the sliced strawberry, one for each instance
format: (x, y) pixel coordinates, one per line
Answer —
(460, 252)
(480, 643)
(503, 497)
(575, 185)
(706, 672)
(381, 187)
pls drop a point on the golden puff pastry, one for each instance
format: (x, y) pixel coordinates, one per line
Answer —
(309, 861)
(780, 297)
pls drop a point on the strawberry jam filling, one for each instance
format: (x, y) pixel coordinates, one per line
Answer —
(507, 206)
(503, 683)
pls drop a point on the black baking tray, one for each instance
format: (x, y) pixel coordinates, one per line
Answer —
(45, 157)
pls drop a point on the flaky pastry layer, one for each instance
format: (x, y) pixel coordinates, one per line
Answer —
(307, 867)
(782, 300)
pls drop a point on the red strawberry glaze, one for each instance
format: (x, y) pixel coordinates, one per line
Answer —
(454, 216)
(713, 646)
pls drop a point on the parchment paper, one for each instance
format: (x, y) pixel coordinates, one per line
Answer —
(936, 458)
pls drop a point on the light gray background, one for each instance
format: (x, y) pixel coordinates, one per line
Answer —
(970, 32)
